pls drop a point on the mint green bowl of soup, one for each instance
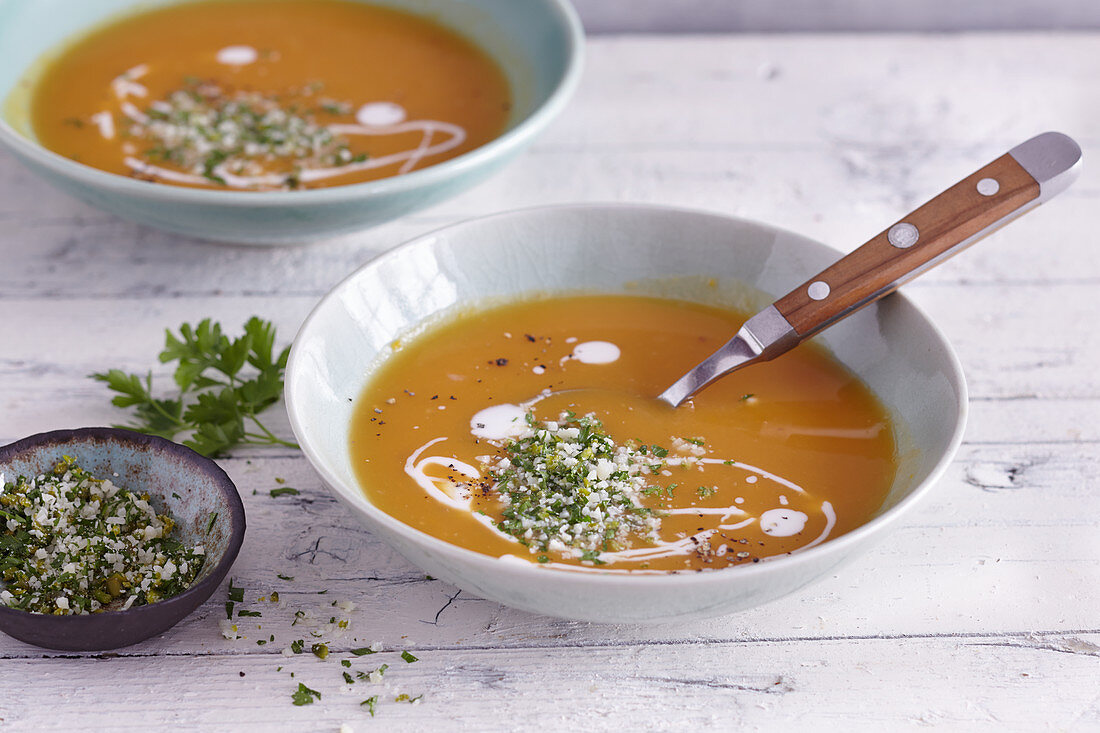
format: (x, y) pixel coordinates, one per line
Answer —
(309, 120)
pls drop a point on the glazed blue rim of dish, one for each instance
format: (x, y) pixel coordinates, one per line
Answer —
(497, 148)
(207, 466)
(836, 546)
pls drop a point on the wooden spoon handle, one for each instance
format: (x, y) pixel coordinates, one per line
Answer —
(982, 202)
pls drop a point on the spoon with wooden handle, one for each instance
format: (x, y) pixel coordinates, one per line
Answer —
(981, 203)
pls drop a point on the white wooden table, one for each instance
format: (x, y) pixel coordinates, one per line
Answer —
(981, 612)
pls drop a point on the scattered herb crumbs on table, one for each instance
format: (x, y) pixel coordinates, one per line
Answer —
(285, 490)
(74, 544)
(304, 695)
(374, 675)
(218, 399)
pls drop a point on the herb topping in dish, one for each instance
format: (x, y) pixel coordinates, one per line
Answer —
(224, 136)
(566, 484)
(75, 544)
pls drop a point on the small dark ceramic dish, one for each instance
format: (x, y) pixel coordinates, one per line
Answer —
(190, 486)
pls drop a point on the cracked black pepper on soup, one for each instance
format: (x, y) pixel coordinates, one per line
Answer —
(530, 432)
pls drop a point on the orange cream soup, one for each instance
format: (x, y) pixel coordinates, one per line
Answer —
(275, 95)
(770, 460)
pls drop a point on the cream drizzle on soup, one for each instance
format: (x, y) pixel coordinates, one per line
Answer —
(300, 94)
(577, 467)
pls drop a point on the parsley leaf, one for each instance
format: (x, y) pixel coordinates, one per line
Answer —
(223, 385)
(409, 658)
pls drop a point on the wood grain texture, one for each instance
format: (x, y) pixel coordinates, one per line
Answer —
(978, 613)
(941, 229)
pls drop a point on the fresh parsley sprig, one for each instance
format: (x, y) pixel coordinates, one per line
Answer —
(223, 385)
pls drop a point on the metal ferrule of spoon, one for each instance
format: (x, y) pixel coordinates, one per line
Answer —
(1018, 181)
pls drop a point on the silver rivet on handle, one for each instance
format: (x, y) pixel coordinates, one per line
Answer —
(988, 186)
(903, 235)
(818, 290)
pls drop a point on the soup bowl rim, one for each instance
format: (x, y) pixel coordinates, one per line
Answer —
(838, 547)
(499, 147)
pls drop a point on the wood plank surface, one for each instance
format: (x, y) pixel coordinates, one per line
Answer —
(981, 612)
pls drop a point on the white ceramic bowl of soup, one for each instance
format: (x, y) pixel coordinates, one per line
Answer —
(891, 346)
(538, 45)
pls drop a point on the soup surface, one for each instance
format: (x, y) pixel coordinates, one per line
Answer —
(274, 95)
(531, 431)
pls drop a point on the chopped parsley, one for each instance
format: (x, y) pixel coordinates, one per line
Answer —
(217, 133)
(409, 658)
(304, 696)
(370, 704)
(284, 490)
(374, 676)
(593, 557)
(74, 544)
(567, 486)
